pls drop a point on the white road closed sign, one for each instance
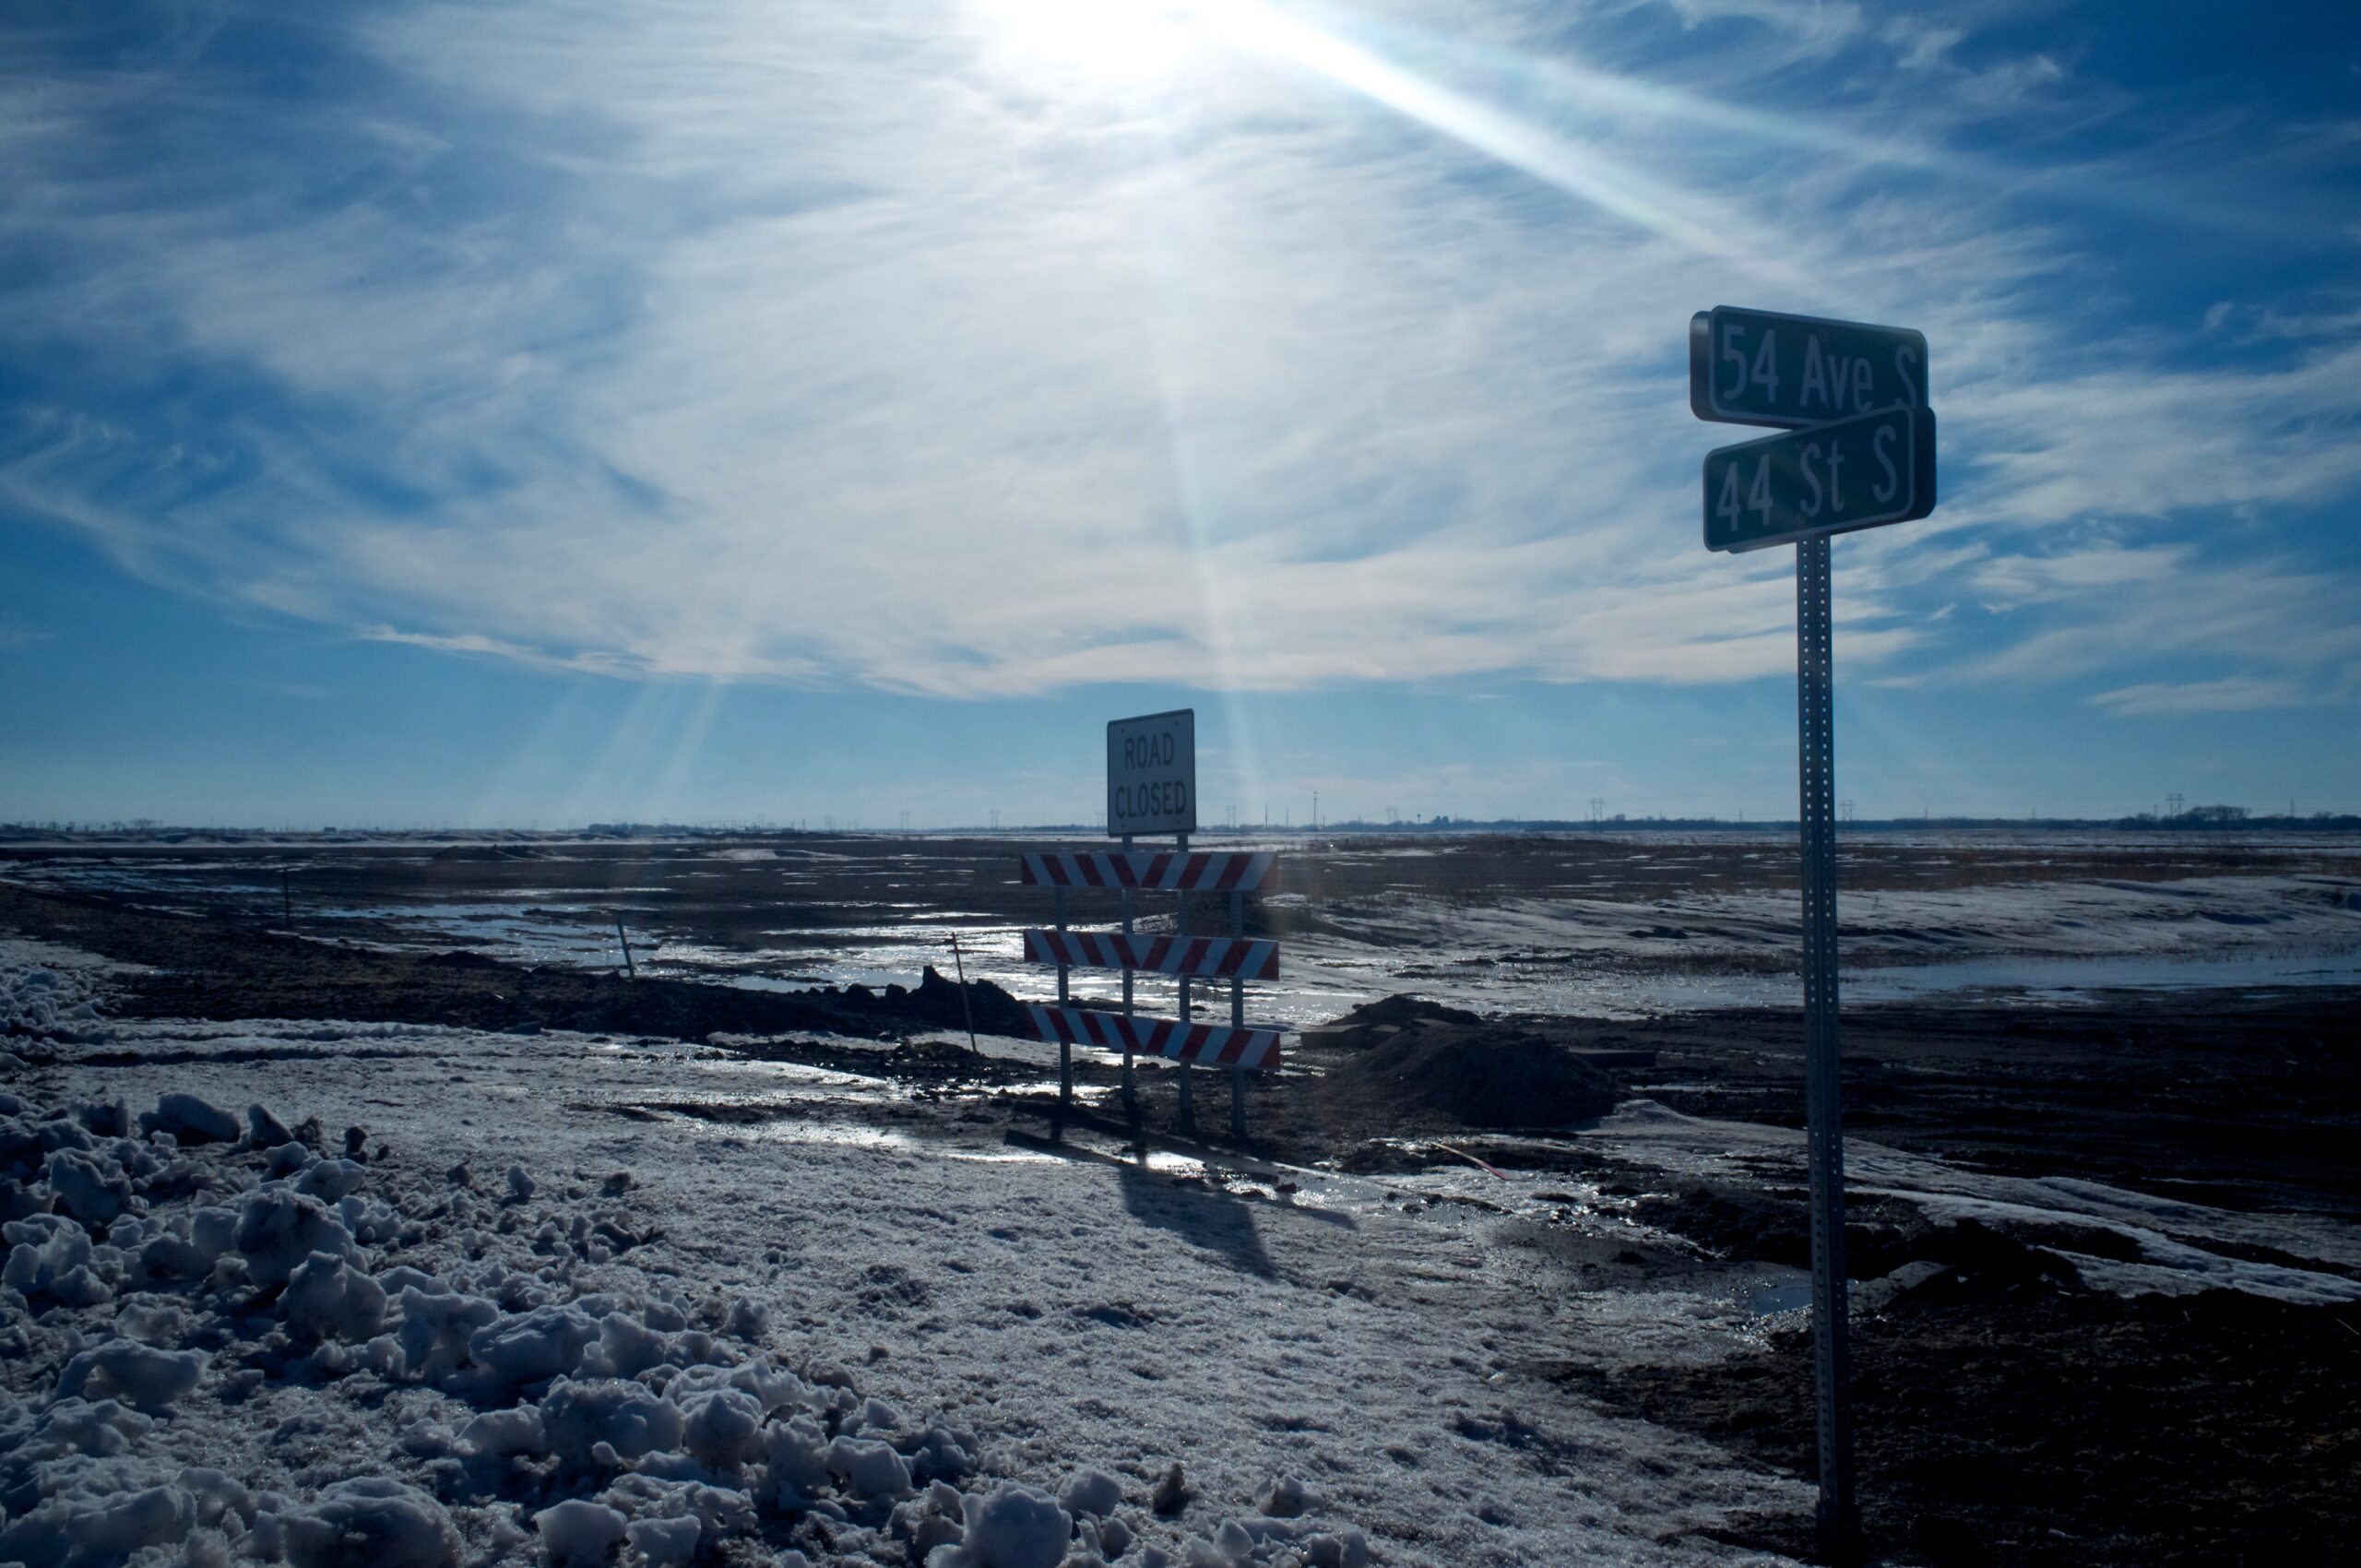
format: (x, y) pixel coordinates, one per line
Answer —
(1151, 773)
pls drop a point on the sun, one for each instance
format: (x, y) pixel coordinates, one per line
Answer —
(1110, 41)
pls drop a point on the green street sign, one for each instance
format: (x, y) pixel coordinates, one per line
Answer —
(1759, 367)
(1831, 478)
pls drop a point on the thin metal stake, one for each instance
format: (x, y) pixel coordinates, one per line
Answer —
(1839, 1515)
(1188, 1106)
(1237, 1021)
(1065, 1048)
(1131, 1085)
(967, 1008)
(624, 937)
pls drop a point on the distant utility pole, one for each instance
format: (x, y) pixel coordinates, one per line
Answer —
(905, 821)
(995, 822)
(1846, 807)
(1315, 810)
(2174, 802)
(1598, 808)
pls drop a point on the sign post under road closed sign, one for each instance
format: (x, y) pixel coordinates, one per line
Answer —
(1152, 774)
(1828, 478)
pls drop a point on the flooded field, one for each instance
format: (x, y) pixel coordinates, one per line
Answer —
(1625, 925)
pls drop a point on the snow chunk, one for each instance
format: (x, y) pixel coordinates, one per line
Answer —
(125, 1369)
(327, 1297)
(1345, 1548)
(277, 1232)
(794, 1462)
(1092, 1492)
(722, 1426)
(532, 1345)
(190, 1119)
(371, 1521)
(265, 1131)
(217, 1496)
(664, 1543)
(1010, 1526)
(576, 1534)
(87, 1525)
(872, 1468)
(51, 1256)
(436, 1330)
(626, 1348)
(90, 1189)
(626, 1418)
(506, 1433)
(1289, 1498)
(329, 1180)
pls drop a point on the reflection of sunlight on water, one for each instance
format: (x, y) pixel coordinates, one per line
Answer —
(848, 1135)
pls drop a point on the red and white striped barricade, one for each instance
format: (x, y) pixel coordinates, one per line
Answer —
(1207, 1045)
(1236, 958)
(1170, 870)
(1204, 958)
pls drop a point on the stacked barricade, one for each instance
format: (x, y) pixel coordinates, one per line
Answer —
(1236, 958)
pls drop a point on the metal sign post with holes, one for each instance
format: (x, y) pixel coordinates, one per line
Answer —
(1859, 452)
(1152, 788)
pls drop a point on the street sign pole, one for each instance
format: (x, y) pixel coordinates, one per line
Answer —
(1857, 452)
(1824, 1101)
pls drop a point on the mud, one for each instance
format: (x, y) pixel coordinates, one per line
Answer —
(2007, 1418)
(1434, 1074)
(212, 967)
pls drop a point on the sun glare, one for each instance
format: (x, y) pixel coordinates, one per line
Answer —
(1114, 41)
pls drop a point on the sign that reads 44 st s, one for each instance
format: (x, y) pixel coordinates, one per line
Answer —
(1762, 367)
(1151, 773)
(1831, 478)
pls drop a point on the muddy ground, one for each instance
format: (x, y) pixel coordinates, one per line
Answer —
(747, 890)
(2008, 1414)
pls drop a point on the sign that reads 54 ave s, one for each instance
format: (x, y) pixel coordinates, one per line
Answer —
(1151, 773)
(1765, 367)
(1831, 478)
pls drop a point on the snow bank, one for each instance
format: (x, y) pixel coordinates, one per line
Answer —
(224, 1276)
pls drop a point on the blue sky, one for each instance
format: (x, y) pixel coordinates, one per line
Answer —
(423, 413)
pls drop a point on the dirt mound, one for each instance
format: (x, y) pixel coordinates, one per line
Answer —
(1373, 1022)
(1472, 1074)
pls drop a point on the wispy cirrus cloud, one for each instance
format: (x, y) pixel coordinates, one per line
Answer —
(845, 347)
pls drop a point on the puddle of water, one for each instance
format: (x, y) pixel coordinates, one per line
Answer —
(1787, 1292)
(2030, 978)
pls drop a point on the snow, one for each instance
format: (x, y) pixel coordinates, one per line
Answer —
(1092, 1492)
(138, 1374)
(189, 1120)
(371, 1521)
(576, 1534)
(868, 1352)
(1010, 1526)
